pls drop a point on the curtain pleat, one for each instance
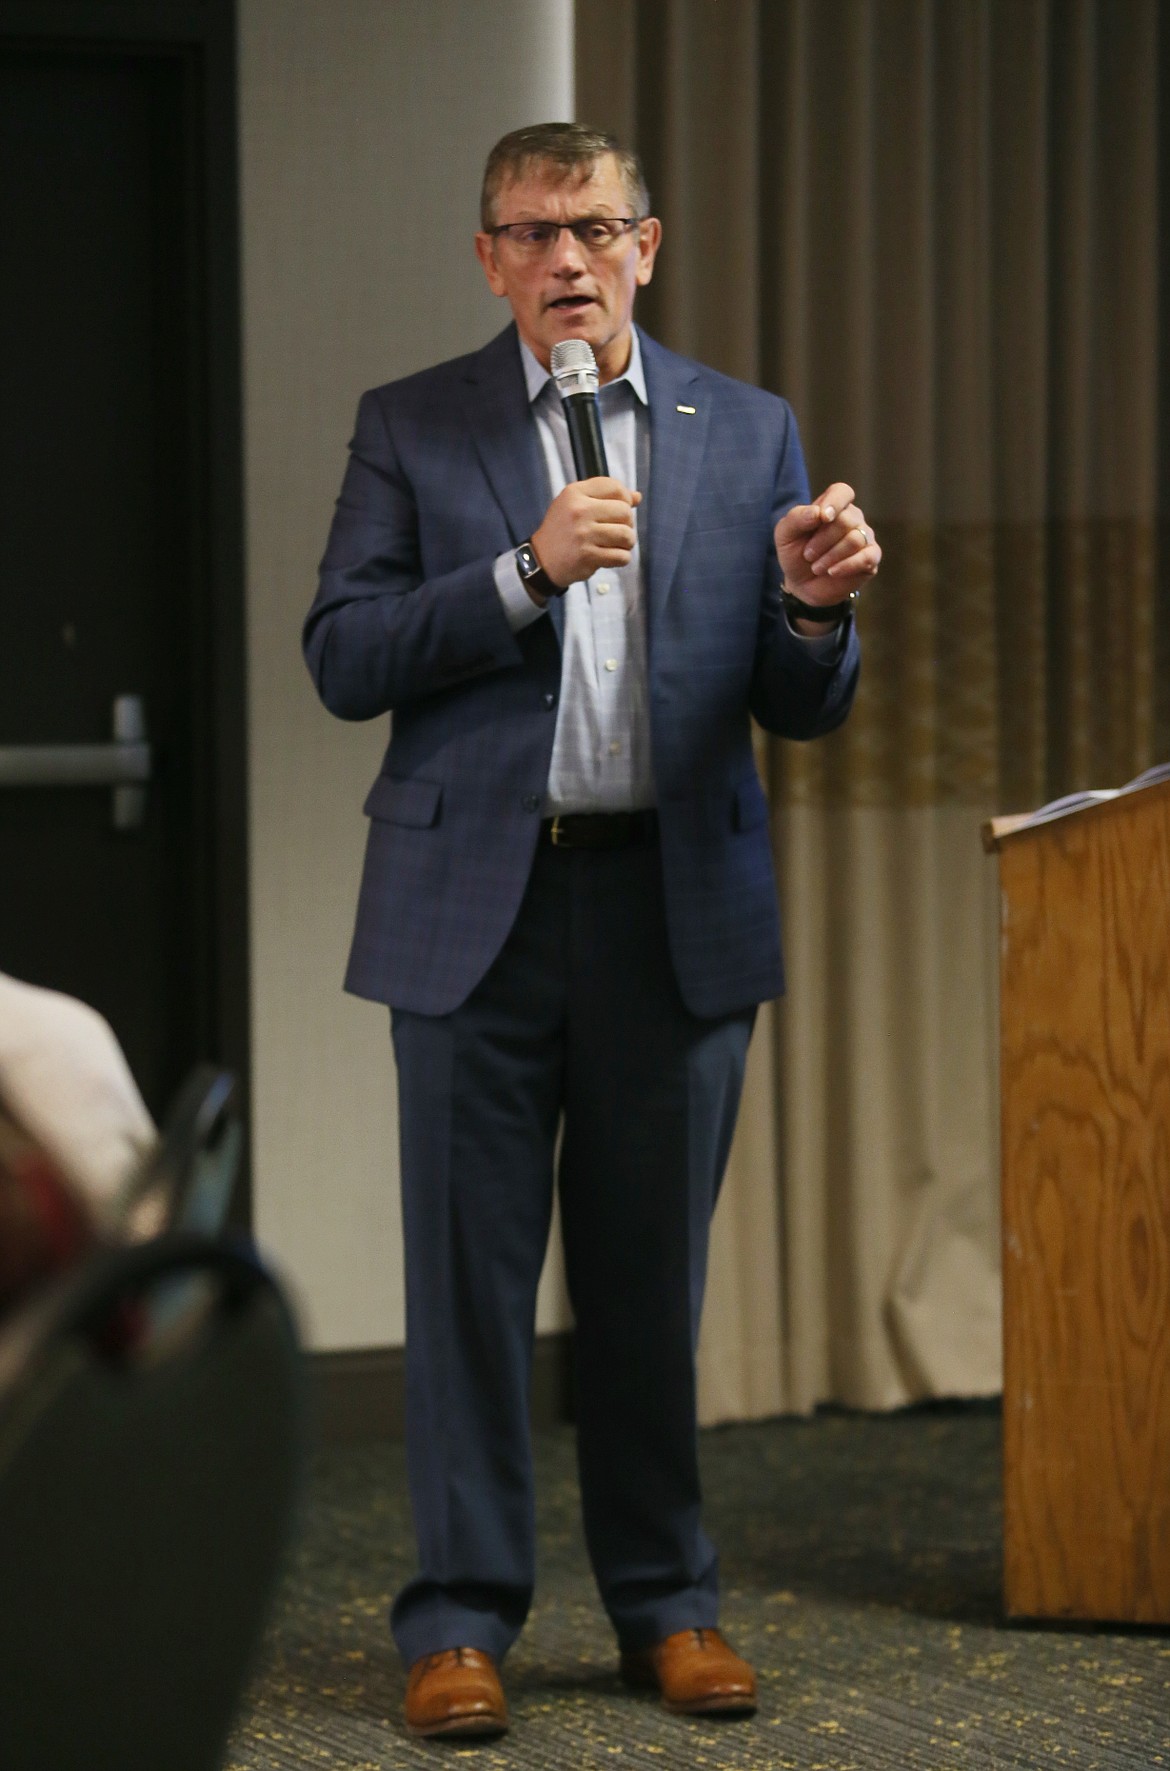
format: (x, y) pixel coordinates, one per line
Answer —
(937, 226)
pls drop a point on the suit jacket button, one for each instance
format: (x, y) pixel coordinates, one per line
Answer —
(531, 802)
(550, 699)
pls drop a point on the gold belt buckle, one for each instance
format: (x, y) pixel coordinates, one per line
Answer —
(554, 834)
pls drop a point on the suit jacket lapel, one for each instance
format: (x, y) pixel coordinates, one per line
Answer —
(677, 440)
(504, 434)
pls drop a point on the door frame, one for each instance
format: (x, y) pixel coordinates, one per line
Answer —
(201, 35)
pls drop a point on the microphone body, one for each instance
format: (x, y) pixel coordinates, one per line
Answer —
(574, 369)
(583, 412)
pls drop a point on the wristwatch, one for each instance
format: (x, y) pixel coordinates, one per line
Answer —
(830, 612)
(532, 573)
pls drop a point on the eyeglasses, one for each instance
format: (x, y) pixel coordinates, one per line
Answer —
(596, 234)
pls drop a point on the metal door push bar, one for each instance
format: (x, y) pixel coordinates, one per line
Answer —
(125, 764)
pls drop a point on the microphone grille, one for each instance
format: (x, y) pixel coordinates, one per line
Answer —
(574, 367)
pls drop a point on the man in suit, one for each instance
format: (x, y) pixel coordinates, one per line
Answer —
(568, 898)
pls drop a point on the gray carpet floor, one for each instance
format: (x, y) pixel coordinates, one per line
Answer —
(861, 1573)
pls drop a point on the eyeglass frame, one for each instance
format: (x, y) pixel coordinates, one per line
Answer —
(627, 222)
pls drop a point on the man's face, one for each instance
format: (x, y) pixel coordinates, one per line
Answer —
(568, 291)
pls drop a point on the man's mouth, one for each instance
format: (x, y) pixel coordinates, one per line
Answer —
(572, 304)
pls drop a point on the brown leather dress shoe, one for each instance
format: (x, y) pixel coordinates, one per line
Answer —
(695, 1673)
(456, 1692)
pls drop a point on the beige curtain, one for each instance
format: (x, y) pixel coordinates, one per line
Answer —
(935, 226)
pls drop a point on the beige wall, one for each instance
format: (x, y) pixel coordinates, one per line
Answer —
(363, 127)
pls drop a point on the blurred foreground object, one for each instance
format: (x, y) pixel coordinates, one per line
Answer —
(185, 1180)
(80, 1159)
(151, 1409)
(66, 1084)
(147, 1494)
(44, 1224)
(151, 1432)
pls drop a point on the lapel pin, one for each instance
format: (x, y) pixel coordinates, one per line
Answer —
(690, 409)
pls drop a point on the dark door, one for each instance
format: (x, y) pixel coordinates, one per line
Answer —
(103, 559)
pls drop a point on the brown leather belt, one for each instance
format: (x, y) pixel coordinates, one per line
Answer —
(600, 830)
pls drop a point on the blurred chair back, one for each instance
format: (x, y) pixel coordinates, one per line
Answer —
(149, 1465)
(186, 1181)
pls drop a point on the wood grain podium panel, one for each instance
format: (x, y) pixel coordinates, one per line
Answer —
(1085, 1012)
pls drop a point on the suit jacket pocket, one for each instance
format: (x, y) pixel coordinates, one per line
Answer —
(411, 802)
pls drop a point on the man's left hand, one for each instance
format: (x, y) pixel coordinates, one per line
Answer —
(826, 549)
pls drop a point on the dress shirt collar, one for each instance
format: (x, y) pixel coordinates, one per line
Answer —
(537, 379)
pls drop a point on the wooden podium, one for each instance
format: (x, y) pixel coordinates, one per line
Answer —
(1085, 1085)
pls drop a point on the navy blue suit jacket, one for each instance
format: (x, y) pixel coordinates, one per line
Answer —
(445, 473)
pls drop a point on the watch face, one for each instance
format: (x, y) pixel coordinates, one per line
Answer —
(527, 561)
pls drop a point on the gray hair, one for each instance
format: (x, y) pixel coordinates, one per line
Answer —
(567, 149)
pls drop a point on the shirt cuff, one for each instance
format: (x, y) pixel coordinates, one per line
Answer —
(519, 607)
(826, 648)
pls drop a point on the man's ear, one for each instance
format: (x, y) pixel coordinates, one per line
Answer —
(485, 251)
(649, 240)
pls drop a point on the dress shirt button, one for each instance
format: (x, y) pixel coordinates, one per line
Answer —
(602, 586)
(611, 664)
(531, 802)
(615, 748)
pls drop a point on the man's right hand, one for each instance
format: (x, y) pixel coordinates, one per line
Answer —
(587, 526)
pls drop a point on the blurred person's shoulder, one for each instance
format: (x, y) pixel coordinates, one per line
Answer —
(65, 1082)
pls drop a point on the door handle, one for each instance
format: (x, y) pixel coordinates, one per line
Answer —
(125, 764)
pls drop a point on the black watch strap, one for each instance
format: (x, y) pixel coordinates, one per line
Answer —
(533, 573)
(831, 612)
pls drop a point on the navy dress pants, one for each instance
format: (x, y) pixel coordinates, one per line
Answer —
(580, 1017)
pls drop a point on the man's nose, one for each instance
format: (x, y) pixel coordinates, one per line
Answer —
(568, 254)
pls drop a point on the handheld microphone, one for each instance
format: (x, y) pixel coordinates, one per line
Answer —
(574, 369)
